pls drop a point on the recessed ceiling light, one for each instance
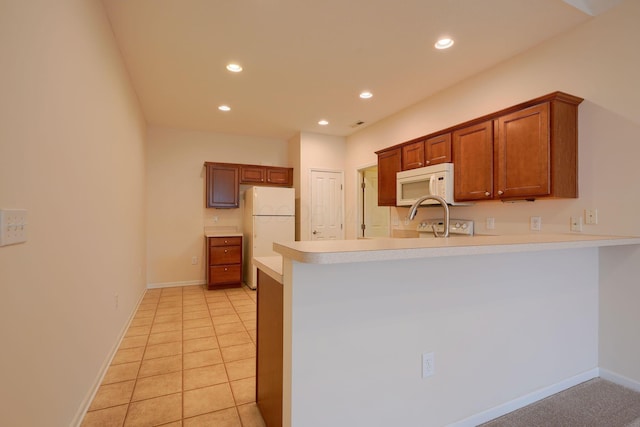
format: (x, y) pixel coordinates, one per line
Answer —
(234, 68)
(366, 95)
(323, 122)
(444, 43)
(224, 108)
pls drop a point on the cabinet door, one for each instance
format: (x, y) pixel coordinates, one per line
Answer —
(438, 149)
(222, 187)
(280, 176)
(413, 156)
(388, 166)
(252, 175)
(473, 162)
(523, 153)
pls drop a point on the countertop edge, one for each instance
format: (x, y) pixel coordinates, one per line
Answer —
(271, 265)
(412, 249)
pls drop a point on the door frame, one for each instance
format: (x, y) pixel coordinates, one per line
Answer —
(342, 210)
(359, 198)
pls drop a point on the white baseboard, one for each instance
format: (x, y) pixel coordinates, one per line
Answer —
(84, 407)
(528, 399)
(175, 284)
(619, 379)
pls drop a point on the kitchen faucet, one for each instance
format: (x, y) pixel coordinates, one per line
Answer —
(414, 210)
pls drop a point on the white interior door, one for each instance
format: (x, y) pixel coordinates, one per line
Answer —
(376, 218)
(326, 205)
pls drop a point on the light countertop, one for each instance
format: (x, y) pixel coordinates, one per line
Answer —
(272, 265)
(221, 234)
(365, 250)
(221, 231)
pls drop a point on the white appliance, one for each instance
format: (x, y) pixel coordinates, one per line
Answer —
(436, 180)
(269, 216)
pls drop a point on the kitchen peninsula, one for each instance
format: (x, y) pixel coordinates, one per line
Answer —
(509, 319)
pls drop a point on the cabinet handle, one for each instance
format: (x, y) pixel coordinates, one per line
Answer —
(428, 161)
(226, 241)
(500, 192)
(419, 163)
(225, 251)
(225, 269)
(486, 193)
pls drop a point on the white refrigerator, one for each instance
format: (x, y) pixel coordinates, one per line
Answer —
(269, 216)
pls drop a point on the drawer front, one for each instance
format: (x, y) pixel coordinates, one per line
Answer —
(220, 255)
(225, 274)
(225, 241)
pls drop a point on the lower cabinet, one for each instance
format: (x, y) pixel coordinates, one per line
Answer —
(269, 350)
(224, 255)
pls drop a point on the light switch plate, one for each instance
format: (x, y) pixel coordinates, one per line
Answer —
(13, 226)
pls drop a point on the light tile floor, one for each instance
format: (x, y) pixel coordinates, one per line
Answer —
(187, 359)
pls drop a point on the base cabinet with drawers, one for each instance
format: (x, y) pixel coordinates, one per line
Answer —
(224, 256)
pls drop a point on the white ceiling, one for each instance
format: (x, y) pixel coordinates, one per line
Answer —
(308, 60)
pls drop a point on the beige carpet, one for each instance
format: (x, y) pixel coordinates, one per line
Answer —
(595, 403)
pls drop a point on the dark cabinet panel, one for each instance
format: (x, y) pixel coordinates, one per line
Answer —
(223, 187)
(473, 162)
(224, 256)
(389, 164)
(413, 155)
(438, 149)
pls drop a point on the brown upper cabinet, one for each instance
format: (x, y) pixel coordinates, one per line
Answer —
(433, 150)
(223, 187)
(438, 149)
(279, 176)
(413, 155)
(531, 153)
(252, 174)
(389, 164)
(525, 151)
(473, 164)
(266, 175)
(223, 181)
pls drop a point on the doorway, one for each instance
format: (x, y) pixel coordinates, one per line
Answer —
(373, 219)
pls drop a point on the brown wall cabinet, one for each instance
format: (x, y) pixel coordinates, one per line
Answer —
(223, 181)
(224, 255)
(266, 175)
(223, 189)
(473, 164)
(389, 164)
(413, 155)
(525, 151)
(438, 149)
(524, 154)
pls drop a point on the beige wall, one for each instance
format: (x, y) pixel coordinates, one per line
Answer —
(598, 61)
(579, 63)
(176, 213)
(72, 154)
(317, 152)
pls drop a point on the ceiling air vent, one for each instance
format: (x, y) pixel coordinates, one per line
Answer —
(358, 123)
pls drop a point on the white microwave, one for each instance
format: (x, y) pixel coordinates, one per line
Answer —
(436, 180)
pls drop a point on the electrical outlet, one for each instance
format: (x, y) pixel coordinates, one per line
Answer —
(194, 260)
(13, 226)
(535, 223)
(591, 216)
(428, 365)
(576, 224)
(491, 223)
